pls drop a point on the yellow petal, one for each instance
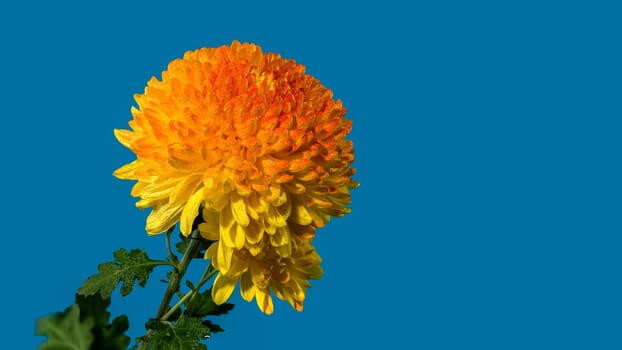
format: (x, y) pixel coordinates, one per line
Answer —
(257, 204)
(254, 249)
(234, 236)
(190, 212)
(227, 236)
(156, 189)
(254, 232)
(252, 212)
(285, 209)
(285, 250)
(244, 190)
(184, 189)
(219, 203)
(222, 289)
(162, 218)
(209, 230)
(211, 252)
(277, 289)
(281, 275)
(224, 255)
(238, 209)
(281, 199)
(274, 194)
(301, 215)
(226, 227)
(240, 236)
(315, 272)
(138, 188)
(127, 172)
(264, 301)
(125, 137)
(258, 275)
(210, 215)
(247, 288)
(145, 203)
(281, 237)
(275, 218)
(269, 229)
(239, 265)
(296, 188)
(318, 218)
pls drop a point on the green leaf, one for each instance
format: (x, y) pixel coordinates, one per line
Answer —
(185, 334)
(93, 306)
(128, 267)
(108, 336)
(90, 320)
(213, 328)
(65, 331)
(202, 304)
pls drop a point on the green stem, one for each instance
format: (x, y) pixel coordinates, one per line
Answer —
(173, 283)
(206, 277)
(171, 255)
(158, 263)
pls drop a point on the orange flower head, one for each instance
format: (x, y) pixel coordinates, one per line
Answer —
(256, 147)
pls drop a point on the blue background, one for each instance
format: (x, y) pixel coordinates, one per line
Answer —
(487, 141)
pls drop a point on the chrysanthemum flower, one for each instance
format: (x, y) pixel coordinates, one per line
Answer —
(255, 146)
